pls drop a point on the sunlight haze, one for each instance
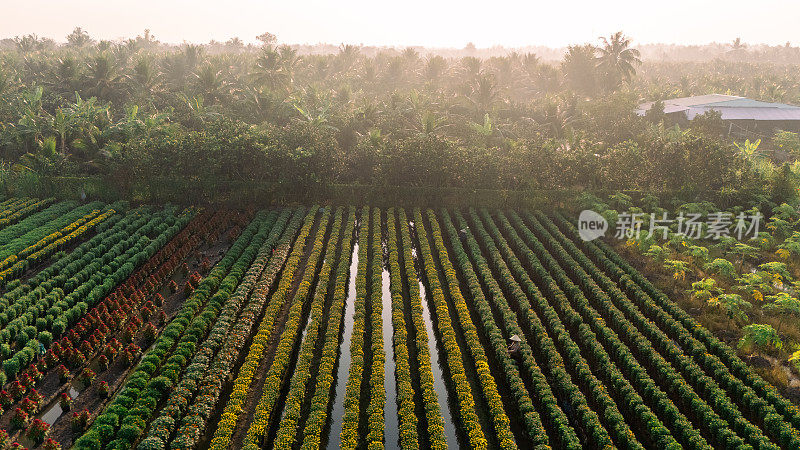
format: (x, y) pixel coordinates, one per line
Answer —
(413, 22)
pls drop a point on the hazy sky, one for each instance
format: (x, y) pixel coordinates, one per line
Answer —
(431, 23)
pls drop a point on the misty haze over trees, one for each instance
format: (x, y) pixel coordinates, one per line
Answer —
(314, 115)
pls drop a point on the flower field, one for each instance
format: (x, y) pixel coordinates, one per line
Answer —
(147, 327)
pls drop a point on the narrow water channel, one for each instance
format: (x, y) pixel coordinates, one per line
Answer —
(337, 412)
(55, 411)
(437, 364)
(392, 425)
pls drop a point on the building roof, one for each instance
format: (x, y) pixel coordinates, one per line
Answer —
(731, 107)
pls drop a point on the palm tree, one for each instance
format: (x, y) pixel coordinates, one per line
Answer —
(268, 70)
(471, 68)
(78, 38)
(484, 94)
(210, 82)
(434, 68)
(144, 77)
(616, 60)
(64, 75)
(579, 68)
(347, 57)
(192, 55)
(102, 78)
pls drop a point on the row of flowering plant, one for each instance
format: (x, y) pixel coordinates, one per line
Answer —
(466, 402)
(196, 414)
(349, 432)
(14, 204)
(506, 325)
(320, 401)
(377, 390)
(53, 305)
(621, 395)
(320, 317)
(641, 383)
(191, 403)
(157, 371)
(603, 420)
(433, 413)
(571, 399)
(43, 249)
(242, 383)
(14, 238)
(267, 410)
(24, 211)
(498, 416)
(629, 305)
(685, 329)
(405, 388)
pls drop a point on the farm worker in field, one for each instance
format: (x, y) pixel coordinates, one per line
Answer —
(514, 346)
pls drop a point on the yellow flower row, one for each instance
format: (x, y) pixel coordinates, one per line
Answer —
(466, 402)
(506, 318)
(24, 211)
(49, 244)
(320, 400)
(266, 407)
(525, 297)
(349, 433)
(15, 204)
(684, 433)
(633, 308)
(168, 356)
(200, 387)
(433, 412)
(487, 383)
(377, 390)
(241, 385)
(405, 390)
(302, 373)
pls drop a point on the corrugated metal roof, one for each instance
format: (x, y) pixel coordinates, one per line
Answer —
(749, 103)
(731, 108)
(757, 113)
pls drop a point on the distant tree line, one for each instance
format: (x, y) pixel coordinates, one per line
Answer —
(128, 111)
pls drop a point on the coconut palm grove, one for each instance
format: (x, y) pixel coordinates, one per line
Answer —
(255, 245)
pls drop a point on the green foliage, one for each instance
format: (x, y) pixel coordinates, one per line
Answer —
(760, 338)
(678, 268)
(721, 267)
(705, 289)
(658, 253)
(143, 113)
(733, 305)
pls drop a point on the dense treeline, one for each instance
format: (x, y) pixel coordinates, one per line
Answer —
(135, 110)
